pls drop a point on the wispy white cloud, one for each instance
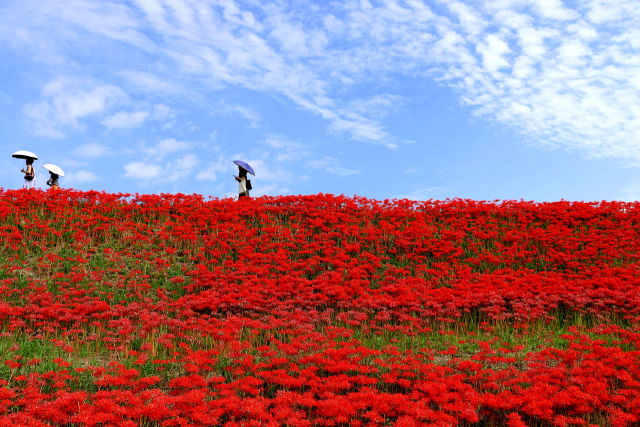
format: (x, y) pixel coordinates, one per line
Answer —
(377, 106)
(168, 160)
(129, 119)
(554, 9)
(151, 83)
(162, 112)
(182, 167)
(67, 101)
(363, 129)
(166, 147)
(142, 170)
(92, 150)
(209, 172)
(111, 20)
(561, 73)
(79, 177)
(125, 119)
(492, 51)
(249, 114)
(286, 151)
(222, 45)
(603, 11)
(551, 74)
(331, 166)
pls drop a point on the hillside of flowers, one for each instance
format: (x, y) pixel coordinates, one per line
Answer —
(171, 310)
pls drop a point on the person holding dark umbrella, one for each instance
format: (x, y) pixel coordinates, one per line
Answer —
(244, 184)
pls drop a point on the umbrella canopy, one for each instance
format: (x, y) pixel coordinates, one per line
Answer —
(22, 154)
(245, 166)
(53, 168)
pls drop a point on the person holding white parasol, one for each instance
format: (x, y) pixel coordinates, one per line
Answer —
(55, 173)
(29, 171)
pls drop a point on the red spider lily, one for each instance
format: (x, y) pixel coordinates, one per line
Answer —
(121, 309)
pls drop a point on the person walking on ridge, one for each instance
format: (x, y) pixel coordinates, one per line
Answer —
(29, 172)
(56, 172)
(53, 180)
(244, 184)
(243, 191)
(29, 175)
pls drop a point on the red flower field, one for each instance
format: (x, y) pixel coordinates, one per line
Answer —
(171, 310)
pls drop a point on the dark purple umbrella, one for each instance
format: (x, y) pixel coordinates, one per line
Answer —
(245, 166)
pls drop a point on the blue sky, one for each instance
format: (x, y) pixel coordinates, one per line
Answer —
(497, 99)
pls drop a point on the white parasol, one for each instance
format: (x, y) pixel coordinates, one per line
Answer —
(22, 154)
(53, 168)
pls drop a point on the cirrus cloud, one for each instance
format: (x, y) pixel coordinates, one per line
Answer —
(560, 73)
(67, 101)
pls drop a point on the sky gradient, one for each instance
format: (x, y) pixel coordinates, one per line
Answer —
(498, 99)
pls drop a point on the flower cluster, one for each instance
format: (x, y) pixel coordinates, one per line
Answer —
(120, 309)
